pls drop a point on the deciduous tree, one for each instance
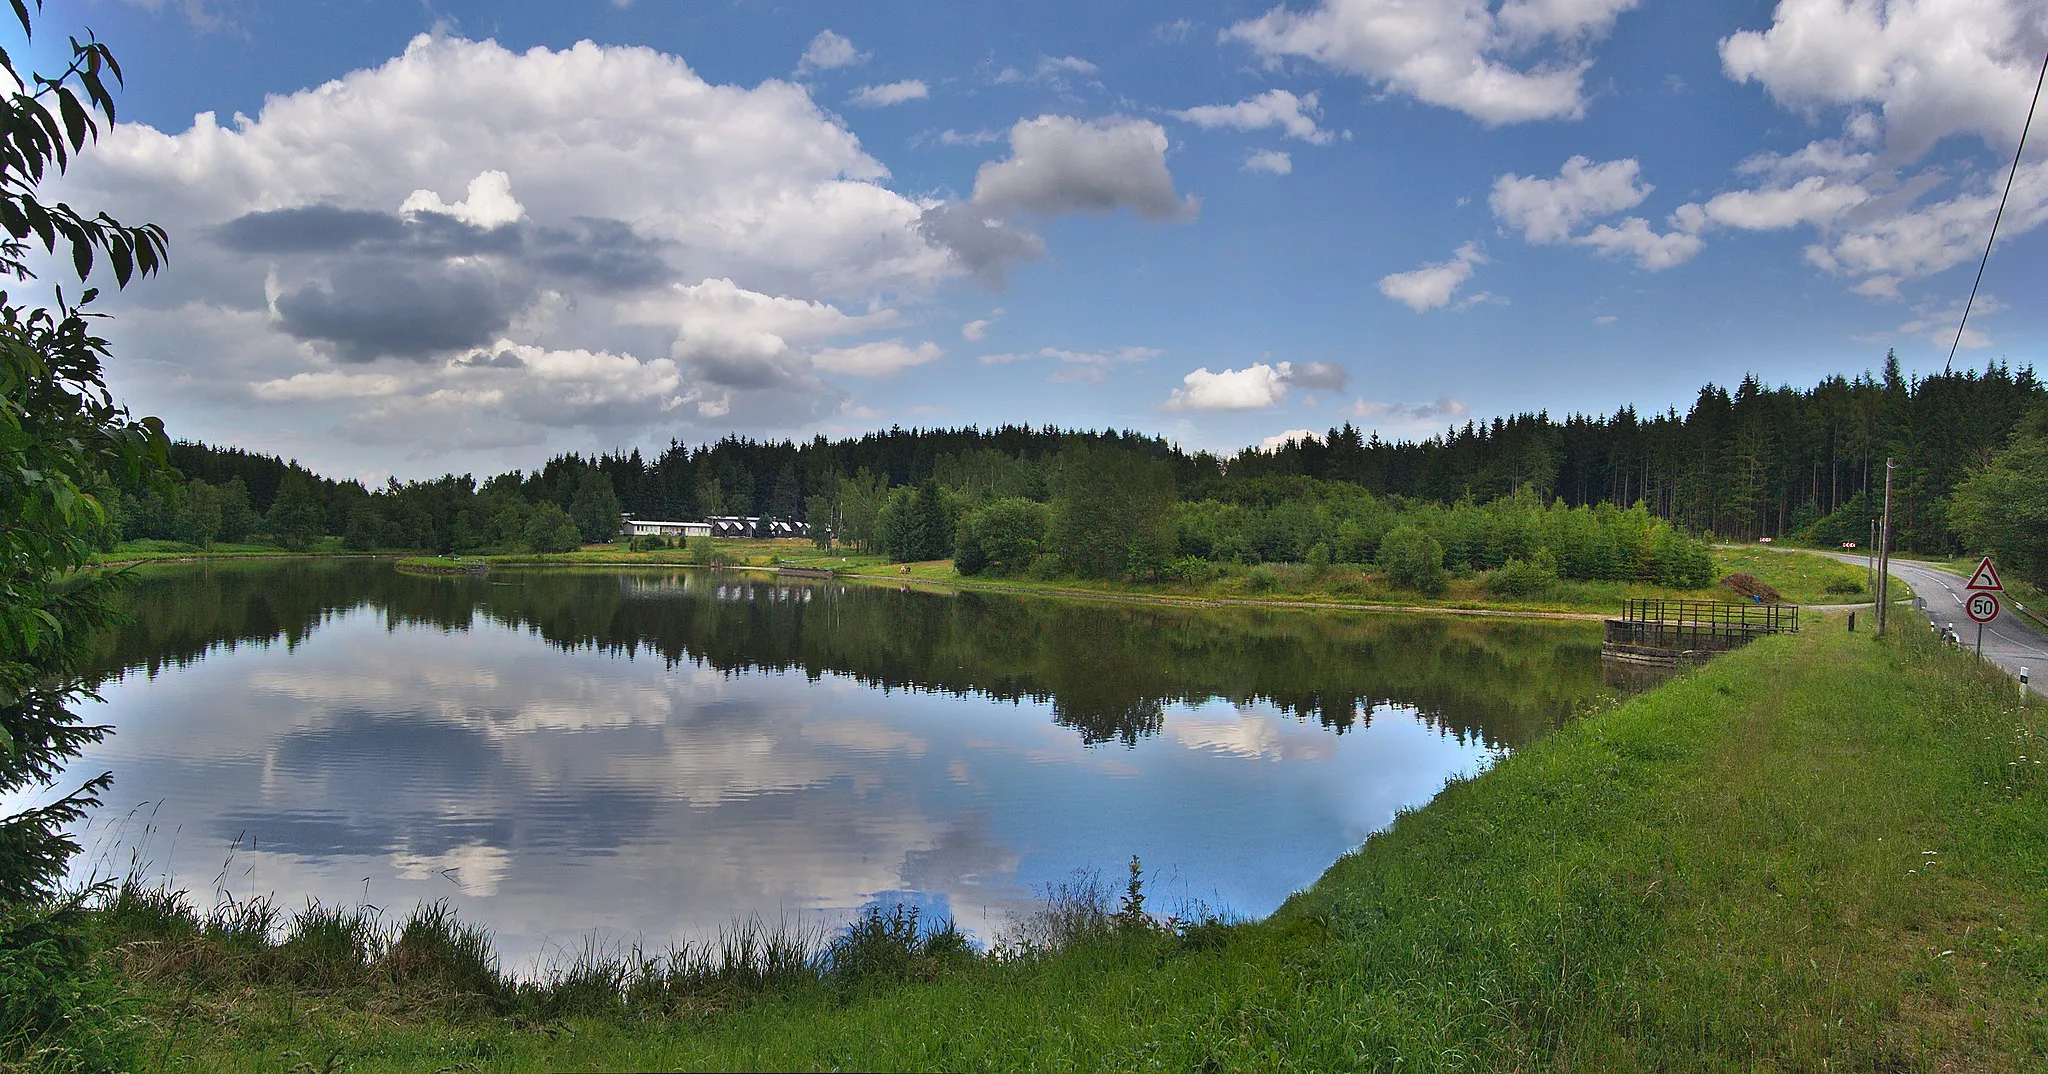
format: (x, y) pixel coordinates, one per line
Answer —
(61, 437)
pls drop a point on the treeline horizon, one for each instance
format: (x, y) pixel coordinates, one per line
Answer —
(1755, 462)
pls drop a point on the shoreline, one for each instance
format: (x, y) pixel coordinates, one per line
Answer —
(925, 578)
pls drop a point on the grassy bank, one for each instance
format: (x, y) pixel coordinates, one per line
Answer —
(1821, 852)
(152, 551)
(439, 565)
(1800, 578)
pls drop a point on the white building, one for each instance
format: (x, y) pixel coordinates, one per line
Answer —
(643, 527)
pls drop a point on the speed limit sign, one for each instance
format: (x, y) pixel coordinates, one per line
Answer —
(1982, 607)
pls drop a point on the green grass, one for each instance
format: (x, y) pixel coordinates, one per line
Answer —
(147, 550)
(440, 564)
(1821, 852)
(1803, 578)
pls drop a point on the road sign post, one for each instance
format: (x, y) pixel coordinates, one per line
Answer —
(1884, 555)
(1982, 608)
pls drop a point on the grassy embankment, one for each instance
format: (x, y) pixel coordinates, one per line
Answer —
(1822, 852)
(151, 550)
(1802, 579)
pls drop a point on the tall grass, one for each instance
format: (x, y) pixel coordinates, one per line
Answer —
(156, 936)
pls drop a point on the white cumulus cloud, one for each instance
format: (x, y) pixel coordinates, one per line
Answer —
(1931, 68)
(1270, 161)
(1255, 387)
(1812, 200)
(1554, 210)
(1522, 61)
(489, 202)
(1549, 210)
(1927, 237)
(975, 331)
(1652, 249)
(829, 51)
(1296, 116)
(888, 93)
(1431, 286)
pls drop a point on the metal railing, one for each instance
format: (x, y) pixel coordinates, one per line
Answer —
(1708, 617)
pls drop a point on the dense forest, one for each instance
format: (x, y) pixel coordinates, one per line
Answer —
(1591, 496)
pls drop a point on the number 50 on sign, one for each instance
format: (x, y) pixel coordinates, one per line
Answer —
(1982, 607)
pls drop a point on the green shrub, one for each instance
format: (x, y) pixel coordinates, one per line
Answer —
(1318, 560)
(1522, 577)
(1001, 537)
(1413, 559)
(1192, 570)
(707, 551)
(1261, 579)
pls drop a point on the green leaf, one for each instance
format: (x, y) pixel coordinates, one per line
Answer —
(76, 123)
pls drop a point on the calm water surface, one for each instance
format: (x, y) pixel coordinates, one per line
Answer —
(652, 754)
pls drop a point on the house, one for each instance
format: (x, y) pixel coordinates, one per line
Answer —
(641, 527)
(753, 526)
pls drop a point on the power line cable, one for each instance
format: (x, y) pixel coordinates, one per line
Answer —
(2024, 128)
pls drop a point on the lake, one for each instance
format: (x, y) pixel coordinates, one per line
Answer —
(646, 755)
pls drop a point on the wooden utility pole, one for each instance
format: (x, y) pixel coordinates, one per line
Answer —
(1884, 553)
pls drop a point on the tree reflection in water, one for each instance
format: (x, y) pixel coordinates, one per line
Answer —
(1109, 670)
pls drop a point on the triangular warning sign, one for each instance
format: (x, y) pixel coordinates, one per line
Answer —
(1986, 577)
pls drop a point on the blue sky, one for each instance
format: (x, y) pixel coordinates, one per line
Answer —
(414, 238)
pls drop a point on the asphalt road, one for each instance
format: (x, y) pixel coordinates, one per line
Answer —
(2010, 641)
